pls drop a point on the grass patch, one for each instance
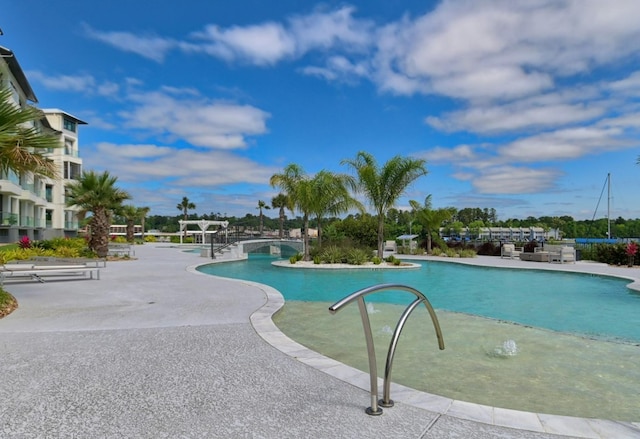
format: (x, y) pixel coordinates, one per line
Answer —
(8, 303)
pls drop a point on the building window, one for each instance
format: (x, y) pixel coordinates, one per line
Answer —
(69, 125)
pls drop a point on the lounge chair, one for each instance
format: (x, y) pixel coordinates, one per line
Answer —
(510, 251)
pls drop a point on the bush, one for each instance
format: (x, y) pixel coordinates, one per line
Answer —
(489, 249)
(332, 255)
(357, 256)
(150, 238)
(293, 259)
(376, 260)
(317, 260)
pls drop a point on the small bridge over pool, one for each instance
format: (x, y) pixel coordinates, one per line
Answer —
(241, 249)
(274, 246)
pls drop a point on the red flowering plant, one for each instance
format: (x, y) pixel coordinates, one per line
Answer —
(632, 249)
(24, 242)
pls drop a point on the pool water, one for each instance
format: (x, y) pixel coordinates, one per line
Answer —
(584, 304)
(575, 336)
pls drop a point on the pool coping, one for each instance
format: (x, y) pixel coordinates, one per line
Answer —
(264, 326)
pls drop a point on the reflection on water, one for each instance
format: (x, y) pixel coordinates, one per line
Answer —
(535, 370)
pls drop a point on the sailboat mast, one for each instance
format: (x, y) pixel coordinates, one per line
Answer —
(609, 205)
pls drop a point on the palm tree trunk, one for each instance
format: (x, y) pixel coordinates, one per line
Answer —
(380, 235)
(99, 240)
(306, 238)
(281, 222)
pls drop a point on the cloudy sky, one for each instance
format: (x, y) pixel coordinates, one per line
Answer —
(523, 106)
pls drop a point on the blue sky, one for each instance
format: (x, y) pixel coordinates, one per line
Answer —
(523, 106)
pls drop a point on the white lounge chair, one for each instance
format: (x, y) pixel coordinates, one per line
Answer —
(510, 251)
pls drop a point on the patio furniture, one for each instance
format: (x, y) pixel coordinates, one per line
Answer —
(510, 251)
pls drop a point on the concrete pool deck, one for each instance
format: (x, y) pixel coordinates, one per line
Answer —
(156, 349)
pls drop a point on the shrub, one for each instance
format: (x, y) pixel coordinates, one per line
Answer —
(376, 260)
(332, 255)
(390, 258)
(150, 238)
(468, 253)
(397, 262)
(293, 259)
(317, 260)
(24, 242)
(357, 256)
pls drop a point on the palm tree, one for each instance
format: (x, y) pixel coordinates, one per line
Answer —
(184, 207)
(98, 194)
(383, 186)
(142, 214)
(281, 201)
(22, 144)
(130, 214)
(431, 219)
(298, 187)
(331, 197)
(262, 205)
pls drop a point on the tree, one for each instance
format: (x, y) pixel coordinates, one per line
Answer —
(280, 202)
(295, 183)
(130, 214)
(262, 205)
(142, 214)
(184, 207)
(22, 144)
(98, 194)
(384, 186)
(431, 219)
(330, 196)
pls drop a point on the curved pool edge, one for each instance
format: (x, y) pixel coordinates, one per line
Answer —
(264, 326)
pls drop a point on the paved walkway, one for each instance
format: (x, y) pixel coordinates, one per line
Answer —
(156, 350)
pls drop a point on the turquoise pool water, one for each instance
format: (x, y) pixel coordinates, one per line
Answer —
(594, 306)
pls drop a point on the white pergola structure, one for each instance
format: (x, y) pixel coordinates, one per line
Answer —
(203, 224)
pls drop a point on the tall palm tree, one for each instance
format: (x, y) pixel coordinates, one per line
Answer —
(280, 202)
(296, 184)
(22, 144)
(184, 207)
(431, 219)
(98, 194)
(262, 205)
(331, 197)
(383, 186)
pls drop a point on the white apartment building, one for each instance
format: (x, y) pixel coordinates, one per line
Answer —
(30, 205)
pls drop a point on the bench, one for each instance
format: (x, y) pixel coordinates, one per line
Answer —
(44, 261)
(121, 250)
(38, 272)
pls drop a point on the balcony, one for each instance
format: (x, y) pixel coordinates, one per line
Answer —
(9, 219)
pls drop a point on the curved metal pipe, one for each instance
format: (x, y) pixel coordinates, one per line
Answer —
(373, 374)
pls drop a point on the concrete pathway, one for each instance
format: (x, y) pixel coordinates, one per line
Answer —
(156, 350)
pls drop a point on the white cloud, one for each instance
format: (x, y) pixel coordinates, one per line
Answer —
(81, 83)
(521, 115)
(198, 121)
(175, 167)
(565, 144)
(463, 46)
(270, 42)
(515, 180)
(262, 44)
(152, 47)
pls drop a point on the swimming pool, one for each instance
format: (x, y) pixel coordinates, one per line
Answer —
(589, 368)
(584, 304)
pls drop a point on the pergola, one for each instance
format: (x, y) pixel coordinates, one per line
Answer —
(203, 224)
